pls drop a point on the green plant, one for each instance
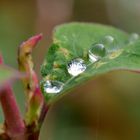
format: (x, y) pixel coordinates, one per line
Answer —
(95, 49)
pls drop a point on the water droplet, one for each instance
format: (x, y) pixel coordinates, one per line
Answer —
(133, 37)
(109, 43)
(96, 52)
(52, 86)
(76, 66)
(108, 39)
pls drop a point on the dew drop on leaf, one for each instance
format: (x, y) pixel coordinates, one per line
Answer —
(133, 37)
(96, 52)
(76, 66)
(109, 43)
(108, 39)
(52, 86)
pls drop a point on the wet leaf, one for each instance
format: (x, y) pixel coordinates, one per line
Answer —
(74, 41)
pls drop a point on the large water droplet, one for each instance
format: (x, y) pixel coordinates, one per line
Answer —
(96, 52)
(52, 86)
(133, 37)
(76, 66)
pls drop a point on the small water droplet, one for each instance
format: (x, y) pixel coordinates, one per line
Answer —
(96, 52)
(133, 37)
(108, 39)
(52, 86)
(109, 43)
(76, 66)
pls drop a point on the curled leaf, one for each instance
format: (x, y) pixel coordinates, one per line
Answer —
(33, 93)
(26, 64)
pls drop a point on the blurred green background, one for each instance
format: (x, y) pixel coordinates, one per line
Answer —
(110, 109)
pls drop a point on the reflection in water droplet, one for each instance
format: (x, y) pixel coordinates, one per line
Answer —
(96, 52)
(52, 86)
(76, 66)
(133, 37)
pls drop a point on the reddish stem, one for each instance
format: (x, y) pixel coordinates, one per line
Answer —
(15, 127)
(1, 59)
(14, 124)
(43, 113)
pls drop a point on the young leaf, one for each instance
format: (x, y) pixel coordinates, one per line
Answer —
(33, 93)
(74, 40)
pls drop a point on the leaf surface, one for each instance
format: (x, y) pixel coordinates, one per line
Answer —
(73, 41)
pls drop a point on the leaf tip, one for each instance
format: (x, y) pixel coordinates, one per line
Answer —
(31, 42)
(34, 40)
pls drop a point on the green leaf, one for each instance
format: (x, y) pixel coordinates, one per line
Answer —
(73, 41)
(7, 74)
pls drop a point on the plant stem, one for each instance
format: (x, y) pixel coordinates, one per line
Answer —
(43, 113)
(15, 127)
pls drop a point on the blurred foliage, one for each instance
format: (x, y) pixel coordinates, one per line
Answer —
(14, 29)
(124, 14)
(7, 74)
(18, 21)
(103, 109)
(90, 11)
